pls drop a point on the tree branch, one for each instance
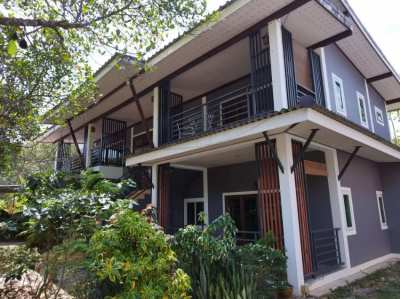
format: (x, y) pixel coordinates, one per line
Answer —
(5, 21)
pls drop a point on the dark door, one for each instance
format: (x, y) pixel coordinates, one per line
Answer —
(243, 210)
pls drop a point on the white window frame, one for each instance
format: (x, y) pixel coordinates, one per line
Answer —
(193, 200)
(384, 225)
(360, 97)
(337, 79)
(378, 110)
(350, 231)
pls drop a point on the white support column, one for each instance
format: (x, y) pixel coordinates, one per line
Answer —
(156, 107)
(325, 77)
(290, 216)
(89, 144)
(335, 196)
(56, 155)
(277, 65)
(369, 106)
(154, 180)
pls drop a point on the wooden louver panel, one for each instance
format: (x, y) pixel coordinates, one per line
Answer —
(318, 85)
(164, 110)
(163, 195)
(291, 83)
(269, 197)
(302, 209)
(261, 76)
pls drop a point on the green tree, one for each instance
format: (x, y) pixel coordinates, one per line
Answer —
(45, 45)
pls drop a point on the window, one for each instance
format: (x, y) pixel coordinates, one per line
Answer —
(348, 211)
(362, 109)
(339, 94)
(381, 209)
(379, 116)
(193, 209)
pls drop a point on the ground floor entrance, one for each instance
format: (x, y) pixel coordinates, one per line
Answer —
(290, 195)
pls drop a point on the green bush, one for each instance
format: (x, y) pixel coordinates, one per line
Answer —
(136, 260)
(221, 269)
(61, 206)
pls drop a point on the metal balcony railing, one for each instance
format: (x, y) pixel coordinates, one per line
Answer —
(326, 250)
(231, 108)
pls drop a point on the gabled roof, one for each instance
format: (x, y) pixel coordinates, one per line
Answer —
(311, 21)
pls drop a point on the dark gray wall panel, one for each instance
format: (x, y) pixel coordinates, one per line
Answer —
(390, 173)
(184, 184)
(319, 203)
(363, 177)
(232, 178)
(377, 100)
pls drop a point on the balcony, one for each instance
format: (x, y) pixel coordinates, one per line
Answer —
(228, 110)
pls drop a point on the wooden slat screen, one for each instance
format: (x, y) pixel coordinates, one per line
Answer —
(163, 117)
(291, 84)
(261, 76)
(318, 84)
(269, 197)
(302, 208)
(163, 195)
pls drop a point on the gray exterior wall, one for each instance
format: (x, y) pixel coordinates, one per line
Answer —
(378, 101)
(183, 184)
(363, 177)
(390, 174)
(232, 178)
(353, 81)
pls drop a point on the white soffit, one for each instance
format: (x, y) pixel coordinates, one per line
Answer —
(312, 23)
(389, 88)
(368, 58)
(236, 18)
(222, 68)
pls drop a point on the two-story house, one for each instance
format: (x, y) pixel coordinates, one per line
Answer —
(274, 113)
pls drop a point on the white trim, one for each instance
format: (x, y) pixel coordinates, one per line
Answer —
(378, 110)
(350, 231)
(154, 180)
(360, 97)
(156, 107)
(251, 132)
(336, 79)
(191, 200)
(369, 105)
(277, 65)
(225, 194)
(290, 217)
(379, 195)
(325, 79)
(204, 170)
(330, 278)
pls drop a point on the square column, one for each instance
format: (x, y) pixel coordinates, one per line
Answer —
(156, 109)
(290, 216)
(89, 144)
(277, 65)
(336, 201)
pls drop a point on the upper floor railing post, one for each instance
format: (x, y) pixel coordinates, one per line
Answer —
(156, 111)
(204, 103)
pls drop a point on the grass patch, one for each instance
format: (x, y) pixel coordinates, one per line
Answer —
(382, 284)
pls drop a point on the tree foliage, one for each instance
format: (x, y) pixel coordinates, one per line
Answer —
(45, 45)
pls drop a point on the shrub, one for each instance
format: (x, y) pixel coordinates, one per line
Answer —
(221, 269)
(136, 260)
(61, 206)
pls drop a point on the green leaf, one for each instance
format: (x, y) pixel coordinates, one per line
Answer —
(12, 48)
